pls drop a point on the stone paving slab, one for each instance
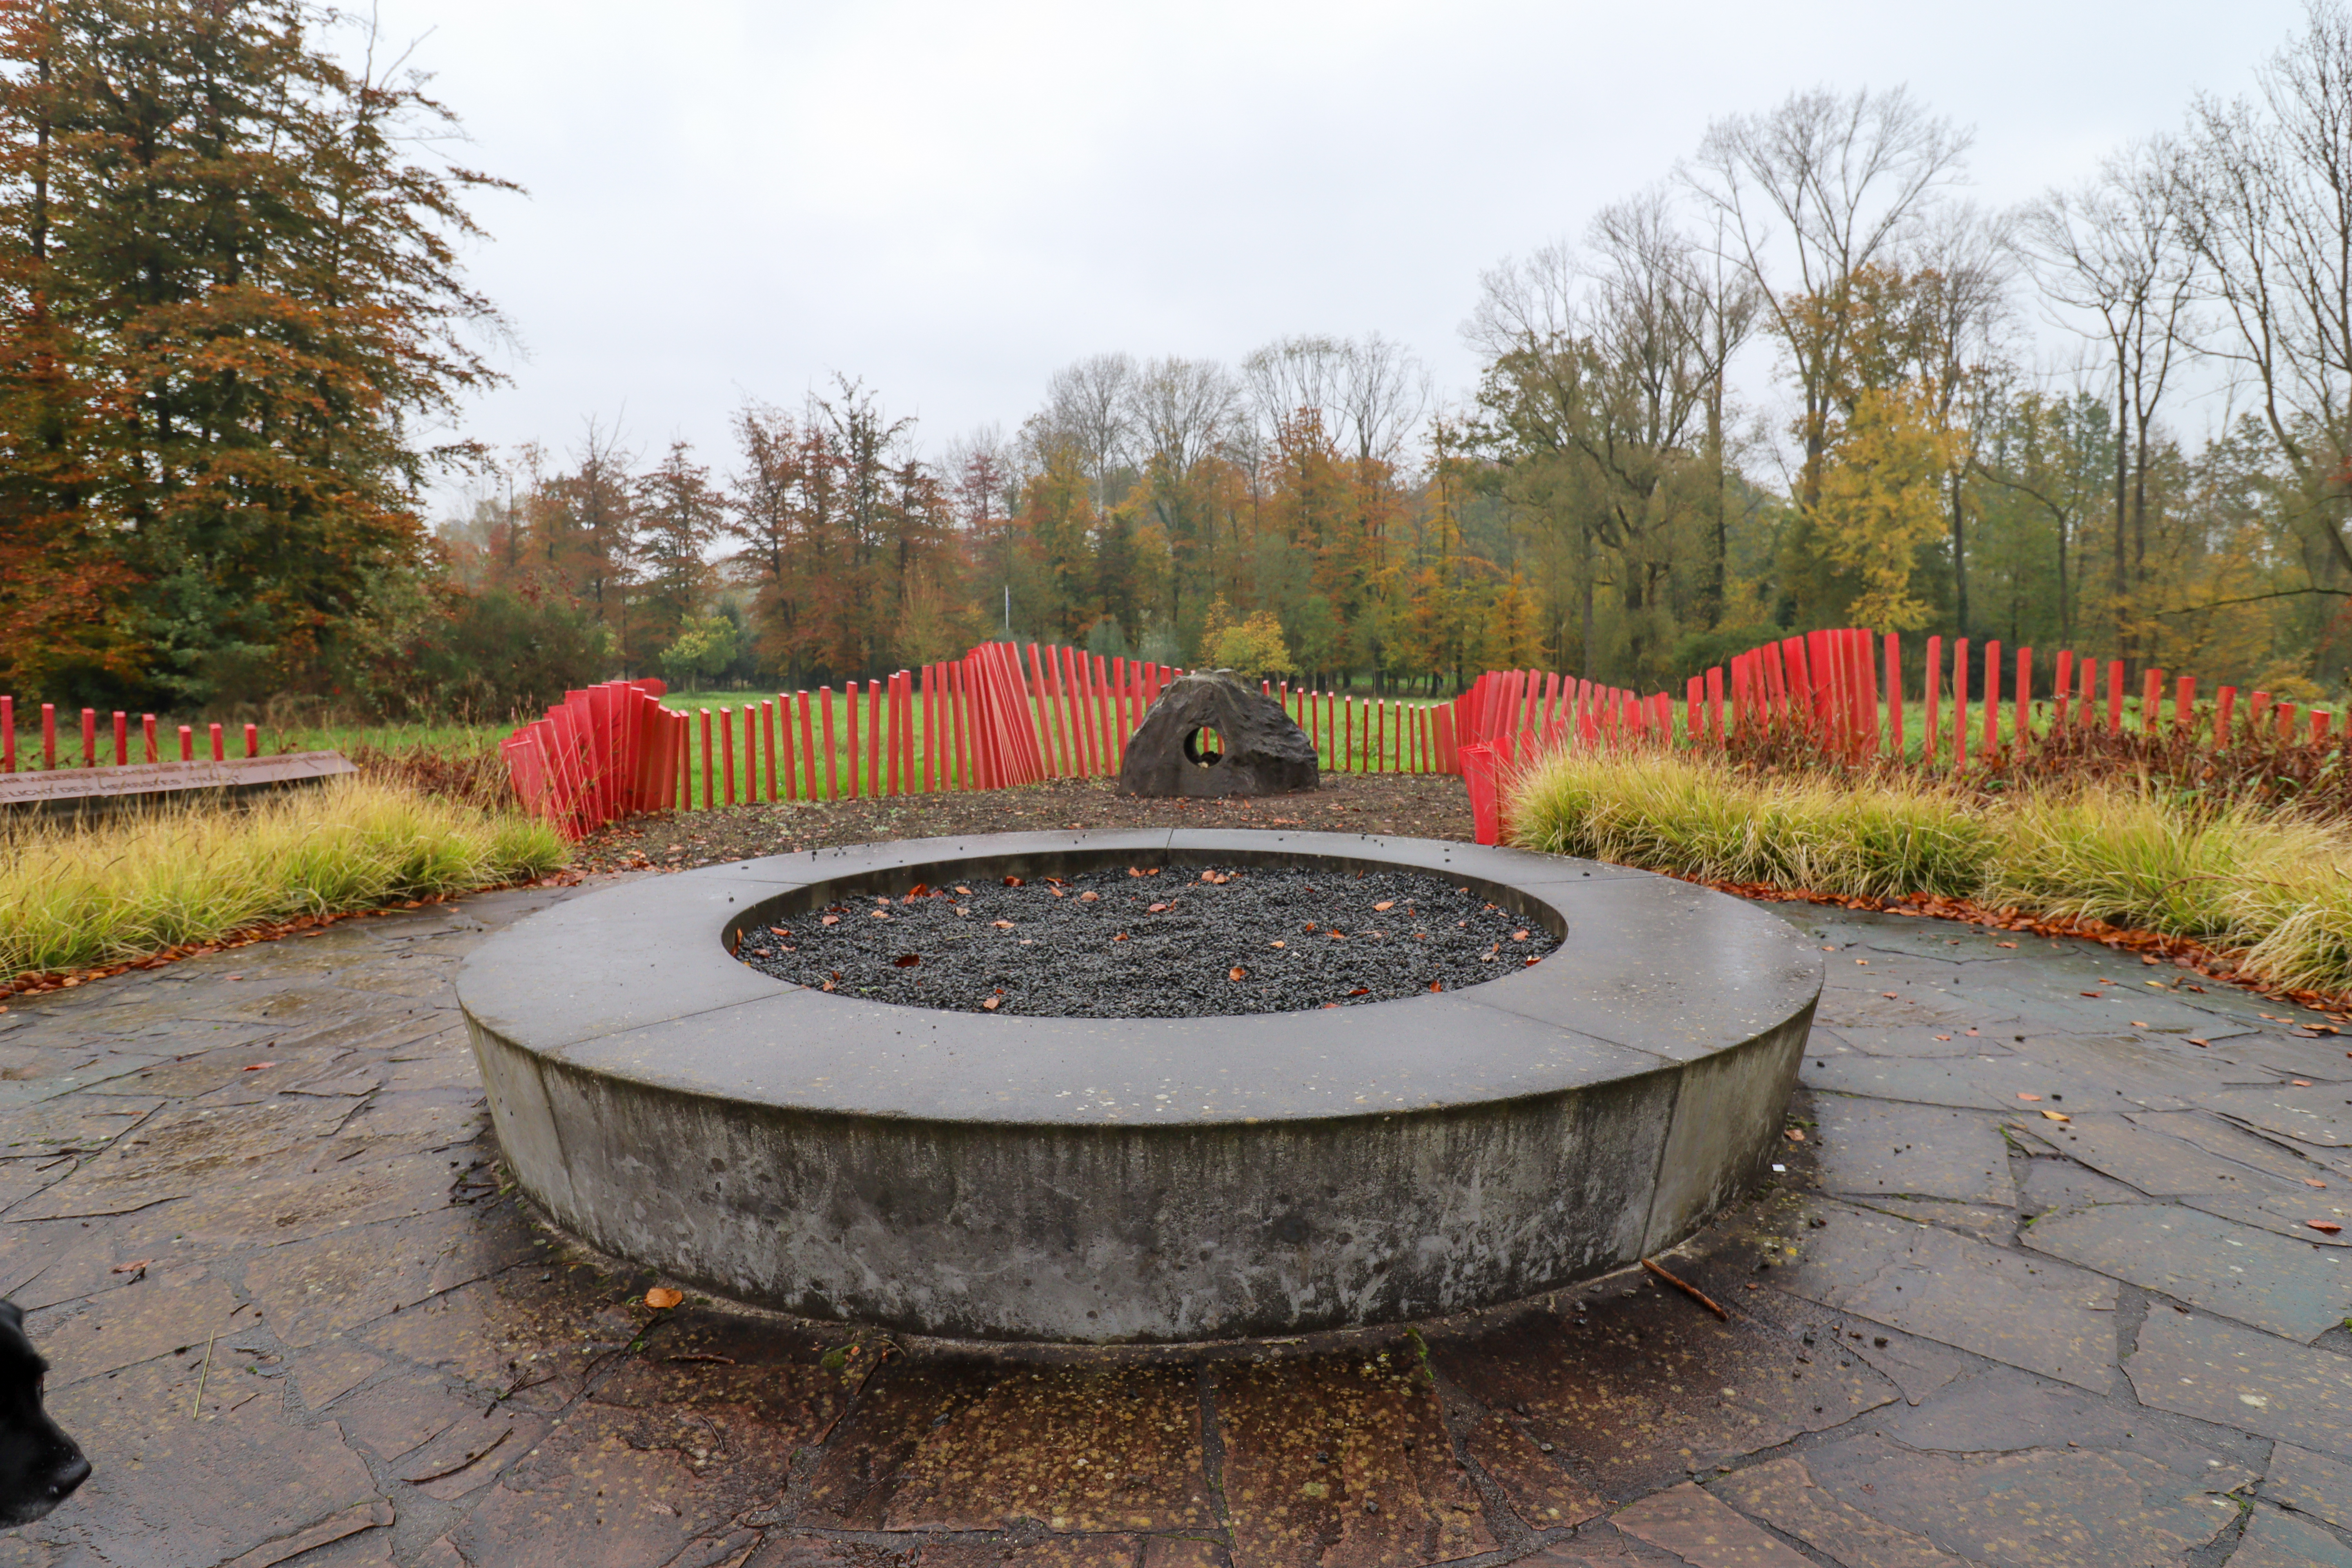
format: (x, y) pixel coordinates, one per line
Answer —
(399, 1365)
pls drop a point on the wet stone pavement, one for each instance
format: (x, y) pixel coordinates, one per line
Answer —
(254, 1215)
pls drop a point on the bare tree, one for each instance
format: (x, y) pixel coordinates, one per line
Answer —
(1087, 403)
(1962, 263)
(1179, 410)
(1371, 393)
(2269, 190)
(1835, 183)
(2124, 248)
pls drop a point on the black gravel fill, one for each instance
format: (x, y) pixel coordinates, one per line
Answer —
(1146, 943)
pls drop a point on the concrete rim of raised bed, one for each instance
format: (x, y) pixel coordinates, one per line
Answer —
(1113, 1178)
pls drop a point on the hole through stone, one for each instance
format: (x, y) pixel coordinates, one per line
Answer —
(1204, 748)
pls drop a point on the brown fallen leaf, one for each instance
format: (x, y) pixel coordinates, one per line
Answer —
(1002, 925)
(2298, 1083)
(2314, 1181)
(780, 931)
(1385, 904)
(907, 960)
(990, 1003)
(1120, 937)
(1796, 1134)
(2200, 1042)
(1518, 936)
(2056, 1115)
(2022, 1095)
(1361, 991)
(1279, 942)
(881, 915)
(1437, 985)
(2004, 945)
(134, 1267)
(1237, 973)
(257, 1066)
(661, 1297)
(1943, 1036)
(2141, 1024)
(831, 921)
(964, 890)
(1890, 995)
(1133, 872)
(1156, 908)
(1014, 882)
(2324, 1226)
(1337, 936)
(1089, 897)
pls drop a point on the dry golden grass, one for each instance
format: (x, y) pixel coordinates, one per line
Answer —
(113, 889)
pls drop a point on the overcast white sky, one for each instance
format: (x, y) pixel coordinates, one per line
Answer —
(731, 197)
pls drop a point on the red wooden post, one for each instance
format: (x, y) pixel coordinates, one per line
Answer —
(218, 753)
(2115, 697)
(824, 720)
(710, 767)
(849, 738)
(2151, 701)
(1960, 704)
(808, 746)
(2284, 728)
(768, 748)
(2088, 712)
(1039, 669)
(7, 734)
(187, 743)
(750, 756)
(49, 735)
(1895, 695)
(1992, 700)
(2184, 703)
(874, 769)
(89, 737)
(1932, 678)
(2021, 727)
(2058, 690)
(2319, 726)
(1693, 705)
(253, 740)
(1865, 681)
(122, 738)
(2222, 701)
(1122, 714)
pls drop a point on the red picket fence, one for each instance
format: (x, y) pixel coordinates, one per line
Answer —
(1845, 691)
(988, 721)
(148, 739)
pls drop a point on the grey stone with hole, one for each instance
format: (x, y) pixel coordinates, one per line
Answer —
(1258, 749)
(1106, 1180)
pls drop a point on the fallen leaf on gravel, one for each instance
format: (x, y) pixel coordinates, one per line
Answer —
(2094, 996)
(1890, 995)
(2004, 945)
(1089, 897)
(1518, 936)
(780, 931)
(881, 915)
(907, 960)
(1796, 1134)
(1120, 937)
(1133, 872)
(1279, 943)
(1002, 925)
(2324, 1226)
(1385, 904)
(1014, 882)
(990, 1003)
(831, 921)
(1437, 985)
(1156, 908)
(2056, 1115)
(2313, 1181)
(964, 890)
(257, 1066)
(1336, 936)
(661, 1297)
(1237, 973)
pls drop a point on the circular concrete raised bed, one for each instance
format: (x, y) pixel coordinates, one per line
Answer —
(1137, 1178)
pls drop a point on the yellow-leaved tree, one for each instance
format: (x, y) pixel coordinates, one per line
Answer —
(1881, 498)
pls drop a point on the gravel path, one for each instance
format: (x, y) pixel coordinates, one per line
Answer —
(1146, 943)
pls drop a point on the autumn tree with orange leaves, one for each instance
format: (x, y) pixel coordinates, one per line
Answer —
(229, 303)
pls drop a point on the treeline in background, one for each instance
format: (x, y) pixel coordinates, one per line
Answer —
(1801, 382)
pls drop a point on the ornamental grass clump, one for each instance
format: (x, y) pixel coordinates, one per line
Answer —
(2271, 888)
(117, 888)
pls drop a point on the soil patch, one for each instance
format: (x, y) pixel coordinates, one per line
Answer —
(1148, 942)
(1408, 805)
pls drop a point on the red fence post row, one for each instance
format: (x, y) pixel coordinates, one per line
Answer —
(120, 725)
